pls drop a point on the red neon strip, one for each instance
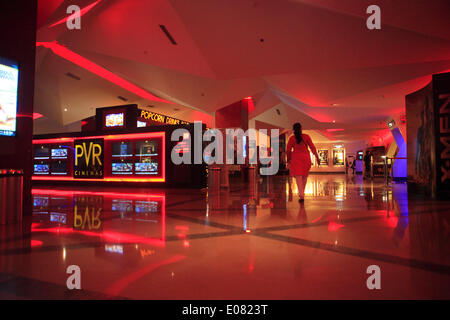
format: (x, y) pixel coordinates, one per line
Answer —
(334, 130)
(50, 178)
(72, 16)
(84, 63)
(154, 197)
(95, 193)
(106, 137)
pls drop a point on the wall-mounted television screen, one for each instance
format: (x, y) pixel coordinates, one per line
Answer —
(146, 148)
(59, 168)
(41, 169)
(59, 153)
(146, 167)
(41, 153)
(122, 168)
(122, 149)
(9, 83)
(114, 120)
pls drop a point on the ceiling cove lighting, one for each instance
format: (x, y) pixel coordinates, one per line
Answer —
(73, 15)
(84, 63)
(334, 130)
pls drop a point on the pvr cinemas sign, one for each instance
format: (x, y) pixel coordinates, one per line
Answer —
(88, 159)
(444, 141)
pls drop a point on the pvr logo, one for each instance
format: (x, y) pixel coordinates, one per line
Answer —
(88, 159)
(93, 152)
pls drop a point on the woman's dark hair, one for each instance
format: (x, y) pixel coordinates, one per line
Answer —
(298, 131)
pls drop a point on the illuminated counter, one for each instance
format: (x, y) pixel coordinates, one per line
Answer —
(133, 156)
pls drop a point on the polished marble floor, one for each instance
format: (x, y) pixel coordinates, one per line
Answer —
(253, 241)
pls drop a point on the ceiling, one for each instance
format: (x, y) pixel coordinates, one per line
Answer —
(313, 60)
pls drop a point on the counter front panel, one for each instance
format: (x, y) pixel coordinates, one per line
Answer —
(136, 157)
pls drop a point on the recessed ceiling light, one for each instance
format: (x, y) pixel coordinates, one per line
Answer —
(65, 109)
(334, 121)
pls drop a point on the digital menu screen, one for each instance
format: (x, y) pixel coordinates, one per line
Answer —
(9, 80)
(41, 153)
(122, 168)
(59, 153)
(59, 168)
(41, 169)
(146, 167)
(146, 148)
(114, 120)
(122, 149)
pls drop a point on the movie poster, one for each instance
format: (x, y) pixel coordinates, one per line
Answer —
(9, 77)
(338, 157)
(323, 157)
(420, 136)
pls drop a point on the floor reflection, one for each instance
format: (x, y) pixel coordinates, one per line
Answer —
(130, 241)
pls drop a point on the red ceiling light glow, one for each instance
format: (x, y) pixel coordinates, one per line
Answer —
(250, 104)
(84, 63)
(334, 130)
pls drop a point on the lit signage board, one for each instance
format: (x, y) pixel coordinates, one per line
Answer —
(148, 115)
(88, 159)
(9, 80)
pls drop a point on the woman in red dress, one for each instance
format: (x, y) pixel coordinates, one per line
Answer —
(299, 159)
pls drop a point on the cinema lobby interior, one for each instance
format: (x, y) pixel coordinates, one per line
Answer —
(118, 179)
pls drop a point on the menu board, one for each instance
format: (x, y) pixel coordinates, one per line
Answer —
(323, 157)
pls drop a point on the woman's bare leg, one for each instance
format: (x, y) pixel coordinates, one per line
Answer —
(305, 179)
(300, 186)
